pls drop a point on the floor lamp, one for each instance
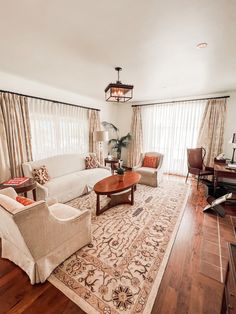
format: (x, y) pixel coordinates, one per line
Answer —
(100, 137)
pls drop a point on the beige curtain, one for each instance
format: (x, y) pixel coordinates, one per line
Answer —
(94, 125)
(136, 145)
(15, 135)
(212, 129)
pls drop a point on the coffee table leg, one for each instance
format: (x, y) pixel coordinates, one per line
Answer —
(98, 205)
(132, 195)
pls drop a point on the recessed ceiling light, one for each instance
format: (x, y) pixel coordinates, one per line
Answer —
(202, 45)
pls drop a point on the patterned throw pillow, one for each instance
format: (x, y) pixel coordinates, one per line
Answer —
(150, 161)
(91, 162)
(24, 200)
(41, 175)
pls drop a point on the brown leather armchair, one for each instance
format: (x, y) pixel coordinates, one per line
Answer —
(195, 157)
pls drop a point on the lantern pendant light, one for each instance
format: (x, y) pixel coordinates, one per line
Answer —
(118, 92)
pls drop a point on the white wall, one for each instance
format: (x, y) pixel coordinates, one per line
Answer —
(21, 85)
(125, 116)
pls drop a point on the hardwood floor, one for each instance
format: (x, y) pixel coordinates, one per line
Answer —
(184, 287)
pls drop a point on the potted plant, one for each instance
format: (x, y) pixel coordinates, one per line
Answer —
(119, 142)
(120, 172)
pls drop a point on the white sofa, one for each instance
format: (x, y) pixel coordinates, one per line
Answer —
(39, 237)
(68, 177)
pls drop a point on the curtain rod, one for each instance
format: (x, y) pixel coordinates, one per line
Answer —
(174, 101)
(52, 100)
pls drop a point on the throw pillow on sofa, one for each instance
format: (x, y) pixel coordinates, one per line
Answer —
(91, 162)
(41, 175)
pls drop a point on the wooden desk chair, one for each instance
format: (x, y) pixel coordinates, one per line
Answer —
(195, 158)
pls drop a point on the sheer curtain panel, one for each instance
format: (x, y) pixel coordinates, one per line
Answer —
(170, 129)
(57, 128)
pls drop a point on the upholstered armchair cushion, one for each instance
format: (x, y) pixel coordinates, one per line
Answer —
(150, 176)
(39, 237)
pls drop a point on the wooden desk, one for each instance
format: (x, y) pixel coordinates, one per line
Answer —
(220, 171)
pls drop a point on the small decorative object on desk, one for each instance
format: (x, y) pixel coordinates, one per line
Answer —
(220, 158)
(120, 172)
(16, 181)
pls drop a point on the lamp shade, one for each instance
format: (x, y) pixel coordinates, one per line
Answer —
(100, 136)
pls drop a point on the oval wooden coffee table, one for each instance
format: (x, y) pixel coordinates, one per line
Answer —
(112, 187)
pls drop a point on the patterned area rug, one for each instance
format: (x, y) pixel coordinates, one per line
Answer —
(121, 270)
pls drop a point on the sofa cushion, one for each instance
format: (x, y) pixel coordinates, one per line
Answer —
(64, 212)
(92, 176)
(146, 171)
(57, 165)
(66, 187)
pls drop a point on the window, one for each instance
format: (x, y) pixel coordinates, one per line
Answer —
(57, 128)
(170, 129)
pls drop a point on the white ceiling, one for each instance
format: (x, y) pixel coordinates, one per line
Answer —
(75, 45)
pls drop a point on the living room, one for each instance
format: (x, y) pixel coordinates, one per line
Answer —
(118, 133)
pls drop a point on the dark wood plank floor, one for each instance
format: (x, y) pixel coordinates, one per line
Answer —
(183, 288)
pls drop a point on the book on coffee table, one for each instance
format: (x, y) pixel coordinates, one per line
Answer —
(16, 181)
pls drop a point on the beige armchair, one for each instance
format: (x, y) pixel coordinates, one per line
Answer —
(150, 176)
(39, 237)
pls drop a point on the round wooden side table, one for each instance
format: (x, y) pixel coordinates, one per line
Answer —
(29, 185)
(112, 162)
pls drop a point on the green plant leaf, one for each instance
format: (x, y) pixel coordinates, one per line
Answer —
(110, 126)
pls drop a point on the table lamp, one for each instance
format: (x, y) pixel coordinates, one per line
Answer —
(233, 141)
(100, 136)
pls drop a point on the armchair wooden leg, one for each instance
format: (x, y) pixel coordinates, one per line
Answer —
(186, 179)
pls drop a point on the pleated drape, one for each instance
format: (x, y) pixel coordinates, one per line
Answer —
(15, 134)
(212, 129)
(136, 145)
(94, 125)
